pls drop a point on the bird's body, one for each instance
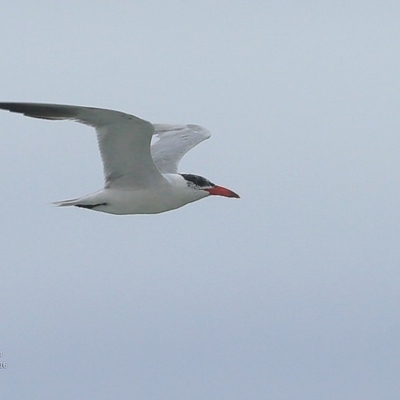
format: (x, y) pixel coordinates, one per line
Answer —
(140, 178)
(152, 200)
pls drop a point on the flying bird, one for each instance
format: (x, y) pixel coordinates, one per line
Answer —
(140, 177)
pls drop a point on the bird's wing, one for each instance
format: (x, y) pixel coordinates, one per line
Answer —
(124, 140)
(174, 141)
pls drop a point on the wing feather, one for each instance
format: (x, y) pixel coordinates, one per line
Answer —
(174, 141)
(124, 140)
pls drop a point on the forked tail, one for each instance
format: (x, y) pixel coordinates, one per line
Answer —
(66, 203)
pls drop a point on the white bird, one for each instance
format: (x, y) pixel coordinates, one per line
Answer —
(140, 178)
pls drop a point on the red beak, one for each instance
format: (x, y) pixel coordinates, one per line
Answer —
(221, 191)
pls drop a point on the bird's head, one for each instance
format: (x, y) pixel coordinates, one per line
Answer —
(197, 182)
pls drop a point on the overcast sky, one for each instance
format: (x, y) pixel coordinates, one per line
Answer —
(291, 292)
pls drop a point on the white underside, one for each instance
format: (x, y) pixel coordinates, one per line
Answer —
(154, 200)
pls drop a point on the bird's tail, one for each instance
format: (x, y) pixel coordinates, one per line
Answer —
(67, 203)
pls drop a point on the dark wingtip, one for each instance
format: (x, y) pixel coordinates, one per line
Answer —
(36, 110)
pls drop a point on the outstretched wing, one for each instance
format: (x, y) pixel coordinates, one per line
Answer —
(174, 141)
(124, 140)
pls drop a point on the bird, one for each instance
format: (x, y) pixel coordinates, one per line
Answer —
(140, 177)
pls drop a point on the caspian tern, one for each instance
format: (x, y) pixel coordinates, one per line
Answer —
(140, 178)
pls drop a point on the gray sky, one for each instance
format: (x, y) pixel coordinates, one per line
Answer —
(291, 292)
